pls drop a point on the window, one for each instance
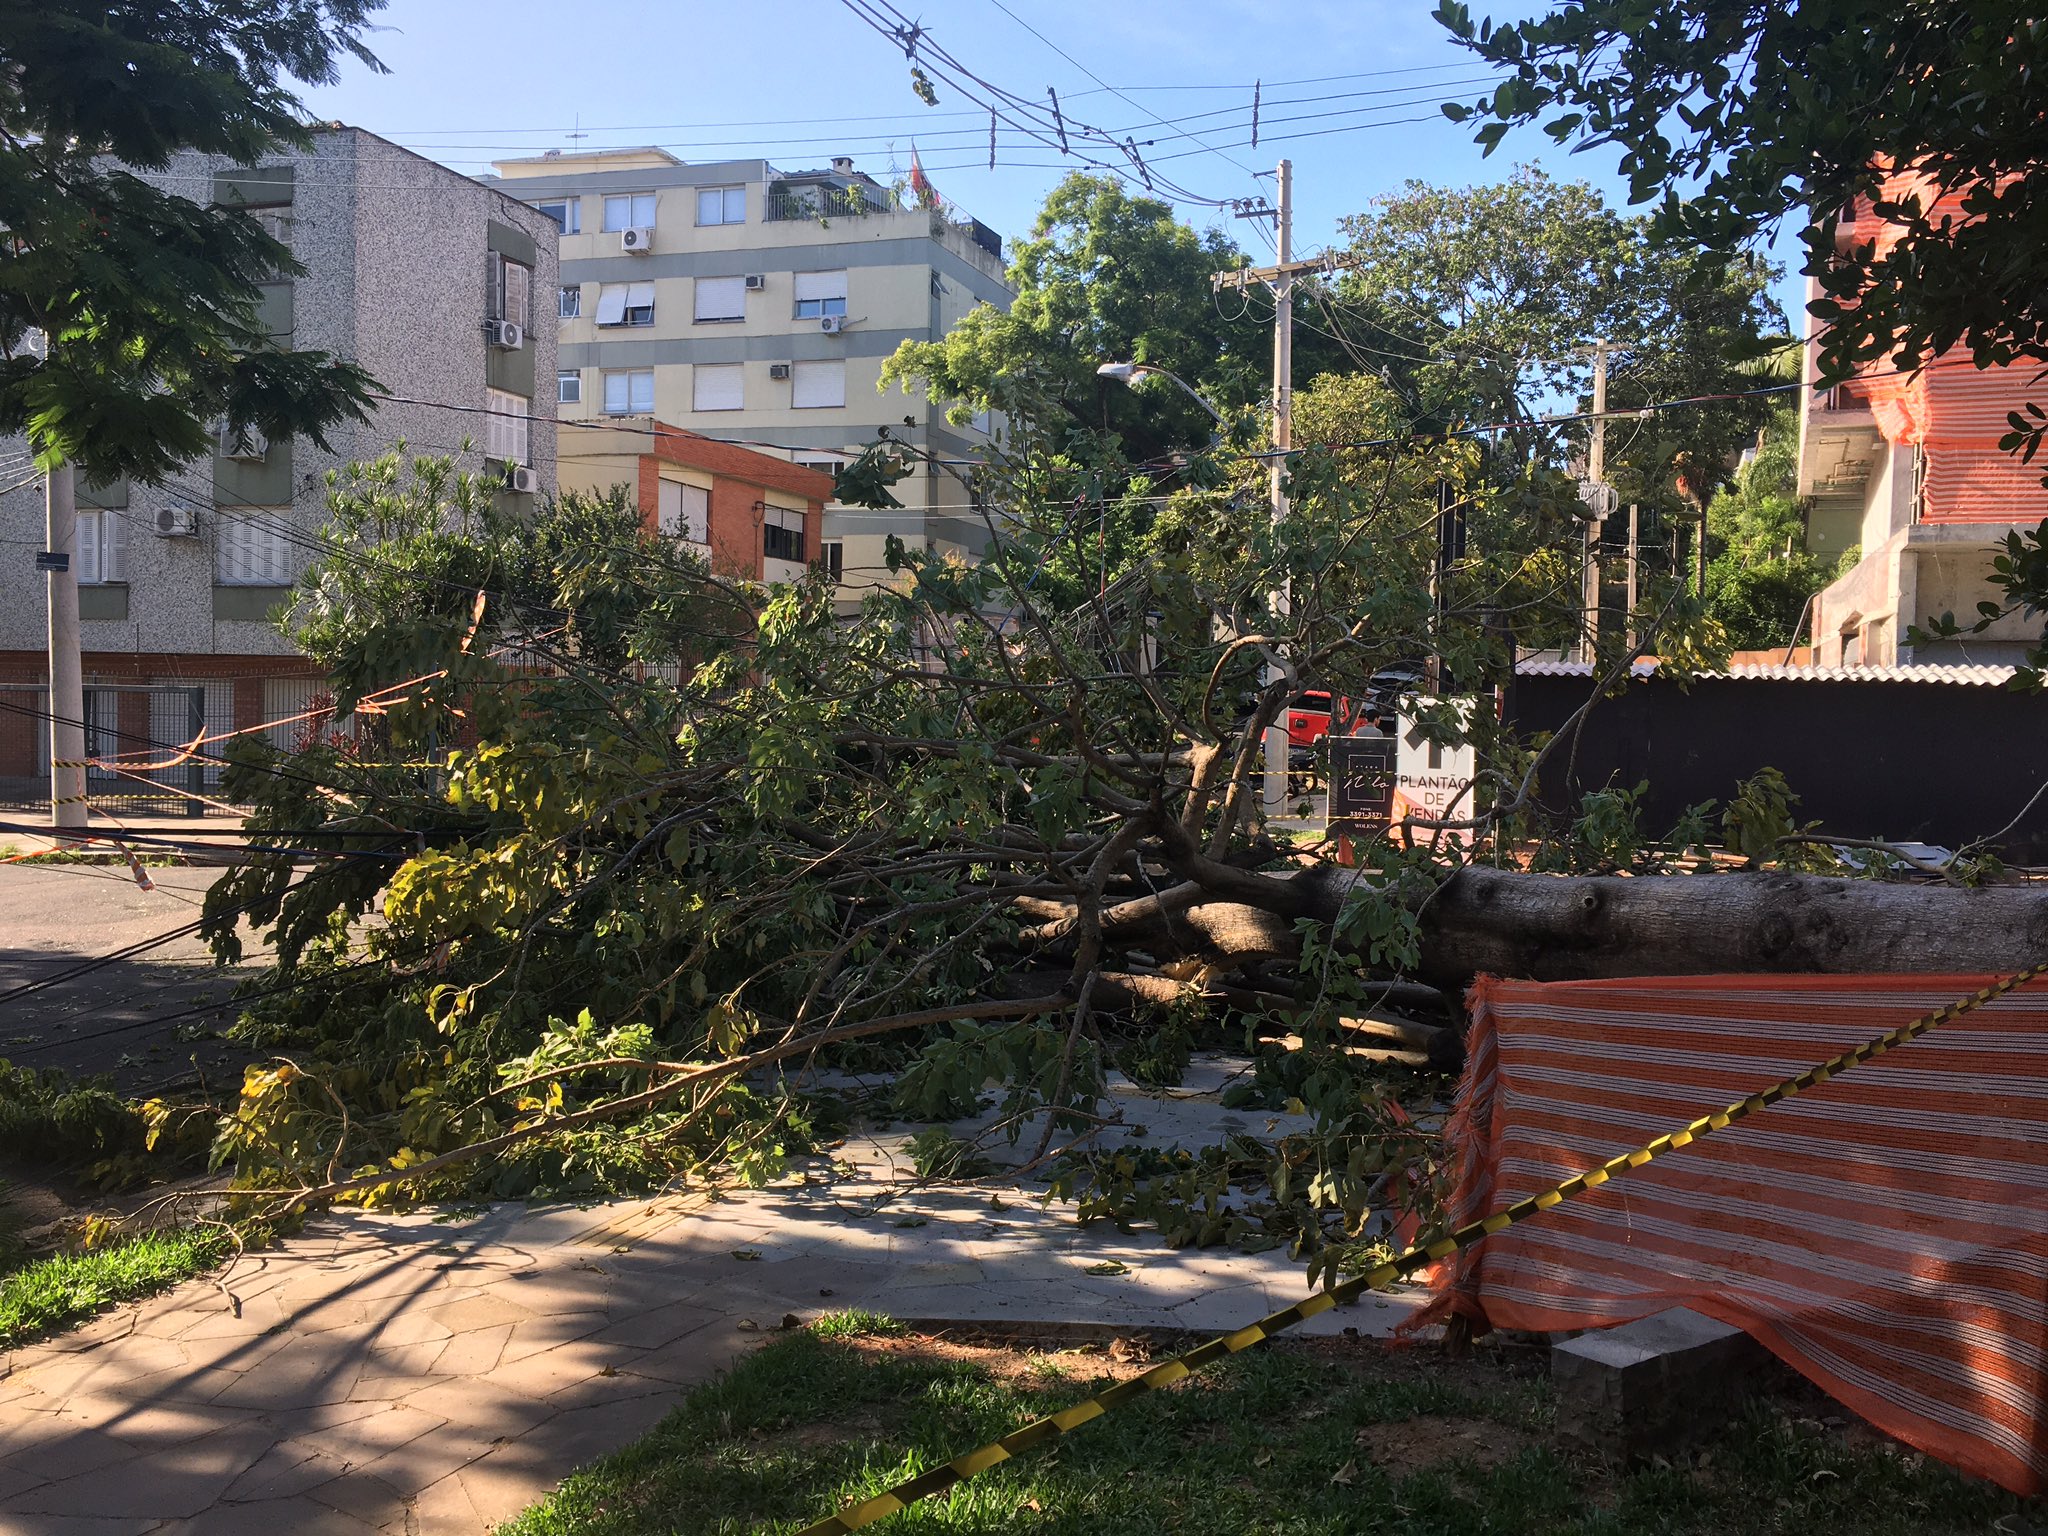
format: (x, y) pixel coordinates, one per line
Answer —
(684, 511)
(722, 205)
(819, 294)
(833, 554)
(721, 298)
(253, 549)
(782, 534)
(629, 210)
(567, 212)
(629, 393)
(570, 300)
(815, 386)
(625, 304)
(718, 387)
(569, 387)
(102, 548)
(506, 286)
(506, 426)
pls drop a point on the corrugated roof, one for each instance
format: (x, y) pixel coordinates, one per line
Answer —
(1969, 677)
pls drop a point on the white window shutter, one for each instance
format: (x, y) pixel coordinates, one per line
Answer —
(820, 285)
(817, 385)
(87, 538)
(719, 387)
(696, 514)
(640, 296)
(518, 286)
(643, 391)
(721, 298)
(113, 547)
(611, 303)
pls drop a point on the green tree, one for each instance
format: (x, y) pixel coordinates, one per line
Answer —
(1486, 300)
(1105, 276)
(145, 302)
(1759, 573)
(1737, 116)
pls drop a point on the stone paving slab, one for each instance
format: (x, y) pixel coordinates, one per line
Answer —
(408, 1376)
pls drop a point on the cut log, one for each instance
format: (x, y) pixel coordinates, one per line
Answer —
(1570, 928)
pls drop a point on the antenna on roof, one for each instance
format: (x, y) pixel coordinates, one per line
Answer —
(576, 135)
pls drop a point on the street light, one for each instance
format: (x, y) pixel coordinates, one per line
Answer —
(1131, 373)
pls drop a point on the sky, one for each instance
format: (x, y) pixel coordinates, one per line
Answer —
(1349, 90)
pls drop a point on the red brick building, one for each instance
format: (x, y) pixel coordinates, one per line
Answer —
(752, 515)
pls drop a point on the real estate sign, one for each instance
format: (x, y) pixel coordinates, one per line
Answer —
(1432, 779)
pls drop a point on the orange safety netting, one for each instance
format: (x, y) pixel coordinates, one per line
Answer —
(1952, 408)
(1885, 1233)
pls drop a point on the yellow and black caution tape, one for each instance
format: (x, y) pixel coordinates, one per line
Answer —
(1167, 1372)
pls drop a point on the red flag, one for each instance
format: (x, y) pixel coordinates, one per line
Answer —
(920, 184)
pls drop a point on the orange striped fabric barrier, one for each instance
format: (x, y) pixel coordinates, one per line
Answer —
(1885, 1234)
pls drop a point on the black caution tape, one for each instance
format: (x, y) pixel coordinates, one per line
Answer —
(1165, 1374)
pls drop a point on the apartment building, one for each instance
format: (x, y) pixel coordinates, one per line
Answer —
(1906, 470)
(747, 303)
(423, 276)
(750, 514)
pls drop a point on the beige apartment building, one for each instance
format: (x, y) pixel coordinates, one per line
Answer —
(737, 301)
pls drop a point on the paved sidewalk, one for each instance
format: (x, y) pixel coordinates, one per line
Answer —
(403, 1375)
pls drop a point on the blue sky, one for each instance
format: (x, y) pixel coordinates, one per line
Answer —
(799, 80)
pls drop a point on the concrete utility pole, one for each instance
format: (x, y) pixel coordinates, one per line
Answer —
(67, 671)
(1280, 278)
(1283, 439)
(1596, 475)
(1635, 530)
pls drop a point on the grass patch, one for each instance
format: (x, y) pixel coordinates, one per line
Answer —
(55, 1292)
(1306, 1441)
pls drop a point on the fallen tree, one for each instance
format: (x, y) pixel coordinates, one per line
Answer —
(697, 834)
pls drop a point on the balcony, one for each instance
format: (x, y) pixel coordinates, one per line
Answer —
(816, 201)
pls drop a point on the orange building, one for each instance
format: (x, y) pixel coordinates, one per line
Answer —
(750, 514)
(1906, 469)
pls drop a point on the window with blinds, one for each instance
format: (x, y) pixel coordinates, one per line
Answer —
(253, 549)
(718, 387)
(629, 392)
(629, 210)
(625, 304)
(102, 541)
(817, 386)
(721, 298)
(508, 290)
(782, 534)
(819, 294)
(722, 205)
(684, 512)
(505, 428)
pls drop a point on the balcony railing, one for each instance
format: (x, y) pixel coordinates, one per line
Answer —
(826, 202)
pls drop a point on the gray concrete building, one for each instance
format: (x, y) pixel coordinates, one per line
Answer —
(739, 301)
(424, 277)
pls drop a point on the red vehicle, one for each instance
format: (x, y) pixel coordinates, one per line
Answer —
(1308, 720)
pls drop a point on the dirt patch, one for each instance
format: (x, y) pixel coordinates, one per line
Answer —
(1019, 1356)
(1414, 1445)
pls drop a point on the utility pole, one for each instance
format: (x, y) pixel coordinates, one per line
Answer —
(1283, 439)
(67, 672)
(1635, 528)
(1596, 475)
(1280, 278)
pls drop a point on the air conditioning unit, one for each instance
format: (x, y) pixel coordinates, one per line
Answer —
(176, 520)
(778, 370)
(637, 241)
(521, 479)
(247, 445)
(756, 282)
(832, 325)
(508, 334)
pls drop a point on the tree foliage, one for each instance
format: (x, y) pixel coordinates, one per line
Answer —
(145, 301)
(1734, 117)
(1106, 276)
(1481, 304)
(1760, 575)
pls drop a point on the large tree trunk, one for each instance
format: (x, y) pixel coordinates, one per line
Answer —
(1566, 928)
